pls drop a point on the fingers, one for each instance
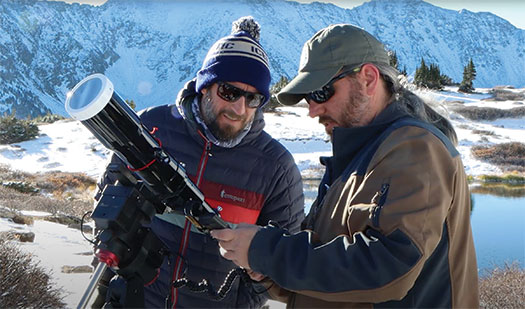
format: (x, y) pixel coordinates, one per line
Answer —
(222, 235)
(234, 244)
(255, 276)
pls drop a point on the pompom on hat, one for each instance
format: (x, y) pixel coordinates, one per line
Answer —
(237, 58)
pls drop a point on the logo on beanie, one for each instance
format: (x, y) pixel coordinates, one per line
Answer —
(240, 47)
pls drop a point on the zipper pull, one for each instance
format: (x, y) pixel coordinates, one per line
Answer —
(208, 149)
(377, 197)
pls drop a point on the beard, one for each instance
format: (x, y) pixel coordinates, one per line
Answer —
(353, 111)
(226, 132)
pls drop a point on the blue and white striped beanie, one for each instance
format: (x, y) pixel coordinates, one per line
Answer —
(237, 58)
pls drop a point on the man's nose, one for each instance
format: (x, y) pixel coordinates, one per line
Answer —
(239, 106)
(315, 109)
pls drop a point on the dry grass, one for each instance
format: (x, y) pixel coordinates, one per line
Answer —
(66, 185)
(503, 288)
(509, 156)
(65, 193)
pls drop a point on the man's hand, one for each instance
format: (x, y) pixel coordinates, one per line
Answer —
(255, 276)
(234, 244)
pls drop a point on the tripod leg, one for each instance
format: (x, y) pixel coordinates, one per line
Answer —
(102, 289)
(99, 271)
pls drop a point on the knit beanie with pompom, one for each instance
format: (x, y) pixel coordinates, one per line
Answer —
(237, 58)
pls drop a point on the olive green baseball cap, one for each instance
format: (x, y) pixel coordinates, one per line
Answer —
(326, 53)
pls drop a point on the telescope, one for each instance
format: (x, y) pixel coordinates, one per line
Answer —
(148, 182)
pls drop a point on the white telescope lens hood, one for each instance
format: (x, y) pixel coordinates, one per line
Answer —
(89, 96)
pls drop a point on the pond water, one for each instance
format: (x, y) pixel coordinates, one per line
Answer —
(498, 224)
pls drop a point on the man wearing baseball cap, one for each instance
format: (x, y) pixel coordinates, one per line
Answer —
(391, 222)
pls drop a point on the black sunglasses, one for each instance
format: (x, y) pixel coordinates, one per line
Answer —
(324, 94)
(231, 93)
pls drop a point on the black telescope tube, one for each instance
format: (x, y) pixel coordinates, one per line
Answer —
(102, 111)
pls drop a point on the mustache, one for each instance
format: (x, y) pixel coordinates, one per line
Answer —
(323, 119)
(232, 115)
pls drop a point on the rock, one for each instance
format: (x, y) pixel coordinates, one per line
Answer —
(20, 219)
(85, 228)
(77, 269)
(25, 236)
(63, 219)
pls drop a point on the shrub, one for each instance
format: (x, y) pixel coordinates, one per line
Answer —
(58, 192)
(508, 156)
(61, 183)
(20, 186)
(14, 130)
(506, 95)
(17, 201)
(488, 113)
(483, 132)
(23, 283)
(48, 118)
(503, 288)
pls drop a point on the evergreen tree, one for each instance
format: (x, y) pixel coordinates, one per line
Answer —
(131, 104)
(274, 89)
(434, 77)
(421, 73)
(469, 74)
(404, 72)
(430, 76)
(394, 62)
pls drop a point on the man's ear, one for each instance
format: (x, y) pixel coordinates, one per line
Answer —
(204, 90)
(370, 77)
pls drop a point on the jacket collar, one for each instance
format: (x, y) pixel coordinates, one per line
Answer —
(347, 142)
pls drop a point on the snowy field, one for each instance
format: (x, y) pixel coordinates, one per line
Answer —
(67, 146)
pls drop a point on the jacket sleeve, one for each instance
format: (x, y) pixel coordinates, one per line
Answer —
(400, 228)
(285, 203)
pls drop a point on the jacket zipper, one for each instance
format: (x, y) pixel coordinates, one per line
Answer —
(379, 199)
(206, 153)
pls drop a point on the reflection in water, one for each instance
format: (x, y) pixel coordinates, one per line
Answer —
(498, 222)
(499, 189)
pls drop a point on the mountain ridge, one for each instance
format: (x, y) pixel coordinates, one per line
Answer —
(150, 49)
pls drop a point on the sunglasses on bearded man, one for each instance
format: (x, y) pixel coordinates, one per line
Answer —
(230, 93)
(327, 91)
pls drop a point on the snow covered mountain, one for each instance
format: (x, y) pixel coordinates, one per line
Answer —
(150, 48)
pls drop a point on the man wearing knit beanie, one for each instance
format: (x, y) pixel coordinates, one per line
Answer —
(234, 64)
(216, 129)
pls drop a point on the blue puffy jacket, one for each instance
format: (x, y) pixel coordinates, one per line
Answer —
(253, 182)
